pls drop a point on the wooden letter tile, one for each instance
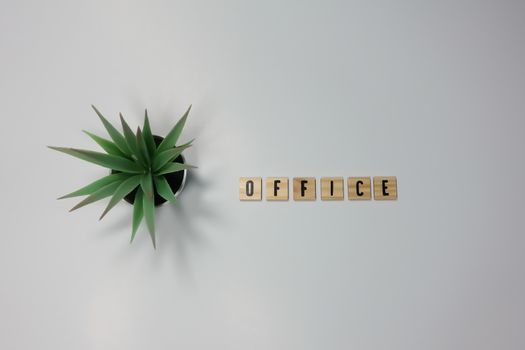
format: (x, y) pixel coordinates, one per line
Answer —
(250, 189)
(304, 188)
(359, 188)
(385, 188)
(332, 189)
(277, 188)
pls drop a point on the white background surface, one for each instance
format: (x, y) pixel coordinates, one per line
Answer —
(431, 92)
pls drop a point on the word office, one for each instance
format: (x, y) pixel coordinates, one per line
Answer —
(332, 188)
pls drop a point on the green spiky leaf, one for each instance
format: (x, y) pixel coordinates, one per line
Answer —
(162, 158)
(148, 136)
(102, 159)
(138, 213)
(149, 215)
(146, 184)
(164, 189)
(187, 144)
(106, 145)
(171, 139)
(123, 190)
(131, 141)
(173, 167)
(102, 193)
(142, 148)
(96, 185)
(115, 135)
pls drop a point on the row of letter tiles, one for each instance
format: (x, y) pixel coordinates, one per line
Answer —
(332, 188)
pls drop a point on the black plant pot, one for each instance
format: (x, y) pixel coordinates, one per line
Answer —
(176, 180)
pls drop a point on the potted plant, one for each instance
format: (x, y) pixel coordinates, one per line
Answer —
(146, 170)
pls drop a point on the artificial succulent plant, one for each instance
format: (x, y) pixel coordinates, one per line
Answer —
(138, 165)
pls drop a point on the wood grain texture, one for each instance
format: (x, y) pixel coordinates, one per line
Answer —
(250, 188)
(276, 188)
(359, 188)
(332, 189)
(385, 187)
(304, 189)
